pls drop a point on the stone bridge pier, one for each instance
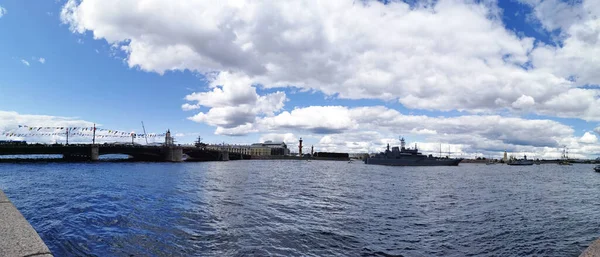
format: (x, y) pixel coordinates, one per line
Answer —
(95, 153)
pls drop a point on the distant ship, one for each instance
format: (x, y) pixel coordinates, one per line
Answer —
(520, 162)
(565, 157)
(402, 156)
(490, 162)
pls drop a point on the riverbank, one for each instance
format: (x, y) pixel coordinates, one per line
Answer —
(18, 236)
(593, 250)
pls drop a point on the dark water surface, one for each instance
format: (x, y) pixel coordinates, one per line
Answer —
(313, 208)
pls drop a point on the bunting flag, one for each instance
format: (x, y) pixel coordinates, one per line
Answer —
(81, 135)
(37, 131)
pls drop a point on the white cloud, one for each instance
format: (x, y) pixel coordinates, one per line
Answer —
(423, 131)
(233, 103)
(42, 60)
(523, 102)
(10, 121)
(288, 138)
(506, 130)
(369, 128)
(316, 119)
(239, 130)
(228, 90)
(588, 138)
(462, 137)
(2, 11)
(226, 117)
(575, 103)
(189, 107)
(578, 25)
(26, 63)
(447, 55)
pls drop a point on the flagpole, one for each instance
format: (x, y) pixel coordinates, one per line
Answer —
(145, 135)
(67, 135)
(94, 135)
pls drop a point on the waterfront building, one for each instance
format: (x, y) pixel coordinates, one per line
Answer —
(259, 150)
(241, 149)
(267, 148)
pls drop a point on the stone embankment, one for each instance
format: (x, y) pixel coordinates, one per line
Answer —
(593, 250)
(17, 236)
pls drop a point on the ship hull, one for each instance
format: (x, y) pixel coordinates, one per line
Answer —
(521, 163)
(421, 162)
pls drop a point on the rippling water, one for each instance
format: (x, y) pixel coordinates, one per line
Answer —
(307, 208)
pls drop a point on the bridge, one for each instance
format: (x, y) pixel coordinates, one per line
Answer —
(167, 151)
(92, 152)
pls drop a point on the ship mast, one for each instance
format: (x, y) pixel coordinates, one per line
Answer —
(145, 135)
(565, 153)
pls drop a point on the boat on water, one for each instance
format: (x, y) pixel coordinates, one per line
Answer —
(403, 156)
(491, 161)
(597, 168)
(520, 162)
(565, 157)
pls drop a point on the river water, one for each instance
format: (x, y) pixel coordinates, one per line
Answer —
(318, 208)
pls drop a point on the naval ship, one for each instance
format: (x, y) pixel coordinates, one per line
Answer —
(402, 156)
(520, 162)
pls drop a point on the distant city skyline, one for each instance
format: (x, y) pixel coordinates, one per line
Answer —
(476, 77)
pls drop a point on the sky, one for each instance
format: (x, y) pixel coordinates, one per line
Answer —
(469, 78)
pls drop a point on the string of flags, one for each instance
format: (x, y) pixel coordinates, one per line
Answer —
(76, 134)
(34, 131)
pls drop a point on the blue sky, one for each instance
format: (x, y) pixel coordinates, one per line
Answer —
(120, 63)
(81, 77)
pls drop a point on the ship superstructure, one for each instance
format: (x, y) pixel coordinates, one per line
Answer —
(403, 156)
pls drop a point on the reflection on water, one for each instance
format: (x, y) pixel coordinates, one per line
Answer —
(306, 208)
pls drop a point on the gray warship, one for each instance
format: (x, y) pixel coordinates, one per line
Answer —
(520, 162)
(402, 156)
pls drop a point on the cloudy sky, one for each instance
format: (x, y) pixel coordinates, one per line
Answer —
(476, 77)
